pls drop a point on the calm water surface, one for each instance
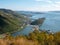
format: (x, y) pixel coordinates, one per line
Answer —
(51, 23)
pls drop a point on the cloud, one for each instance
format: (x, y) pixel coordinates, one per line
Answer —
(52, 5)
(58, 2)
(48, 1)
(40, 8)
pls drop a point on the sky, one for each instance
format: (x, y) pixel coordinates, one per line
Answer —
(31, 5)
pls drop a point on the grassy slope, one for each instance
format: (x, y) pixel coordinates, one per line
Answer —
(10, 21)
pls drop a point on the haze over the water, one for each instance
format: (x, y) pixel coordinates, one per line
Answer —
(31, 5)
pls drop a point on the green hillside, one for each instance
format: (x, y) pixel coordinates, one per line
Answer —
(10, 21)
(38, 21)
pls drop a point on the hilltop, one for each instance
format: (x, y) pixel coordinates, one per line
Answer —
(11, 21)
(38, 21)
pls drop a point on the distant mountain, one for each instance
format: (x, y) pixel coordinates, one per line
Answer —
(29, 13)
(38, 21)
(6, 10)
(11, 21)
(55, 11)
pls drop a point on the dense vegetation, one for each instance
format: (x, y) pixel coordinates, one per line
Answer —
(11, 21)
(34, 38)
(38, 21)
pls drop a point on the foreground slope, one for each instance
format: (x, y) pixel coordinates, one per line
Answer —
(10, 21)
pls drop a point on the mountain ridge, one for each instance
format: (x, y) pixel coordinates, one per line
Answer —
(10, 21)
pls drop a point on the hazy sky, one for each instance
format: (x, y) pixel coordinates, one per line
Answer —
(31, 5)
